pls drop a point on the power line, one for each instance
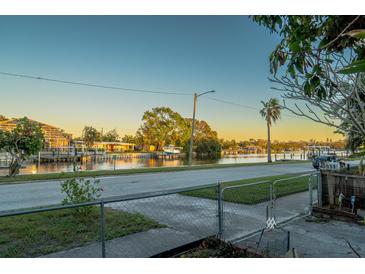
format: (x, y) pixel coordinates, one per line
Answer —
(129, 89)
(248, 107)
(92, 85)
(230, 103)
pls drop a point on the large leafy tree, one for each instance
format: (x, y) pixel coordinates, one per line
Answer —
(129, 139)
(205, 139)
(110, 136)
(22, 142)
(271, 111)
(319, 62)
(202, 130)
(90, 135)
(162, 126)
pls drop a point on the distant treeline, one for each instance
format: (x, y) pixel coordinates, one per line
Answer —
(278, 146)
(162, 126)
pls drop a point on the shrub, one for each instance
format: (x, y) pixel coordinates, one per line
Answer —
(80, 190)
(208, 148)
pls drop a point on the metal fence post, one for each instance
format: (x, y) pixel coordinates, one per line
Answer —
(319, 189)
(102, 229)
(310, 188)
(220, 213)
(271, 200)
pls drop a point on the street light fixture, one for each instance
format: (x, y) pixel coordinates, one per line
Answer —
(193, 124)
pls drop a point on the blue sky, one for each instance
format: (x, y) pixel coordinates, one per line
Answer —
(169, 53)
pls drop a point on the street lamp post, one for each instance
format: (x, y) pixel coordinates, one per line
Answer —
(193, 124)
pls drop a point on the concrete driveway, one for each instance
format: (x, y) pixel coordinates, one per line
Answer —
(314, 238)
(16, 196)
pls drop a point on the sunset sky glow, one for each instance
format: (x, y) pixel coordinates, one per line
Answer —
(165, 53)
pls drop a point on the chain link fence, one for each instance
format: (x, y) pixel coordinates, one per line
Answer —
(284, 199)
(293, 196)
(145, 225)
(244, 209)
(181, 219)
(141, 225)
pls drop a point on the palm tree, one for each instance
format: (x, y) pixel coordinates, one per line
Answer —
(271, 112)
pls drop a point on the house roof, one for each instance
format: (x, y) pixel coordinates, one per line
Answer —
(114, 143)
(14, 121)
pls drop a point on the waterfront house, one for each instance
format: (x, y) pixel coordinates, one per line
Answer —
(55, 138)
(113, 146)
(252, 150)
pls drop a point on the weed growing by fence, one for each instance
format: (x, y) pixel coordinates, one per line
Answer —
(79, 190)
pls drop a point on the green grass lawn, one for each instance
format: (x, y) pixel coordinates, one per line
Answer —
(38, 234)
(254, 194)
(87, 173)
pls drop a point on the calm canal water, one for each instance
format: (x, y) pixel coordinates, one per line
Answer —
(102, 164)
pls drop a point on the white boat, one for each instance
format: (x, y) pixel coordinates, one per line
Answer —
(171, 149)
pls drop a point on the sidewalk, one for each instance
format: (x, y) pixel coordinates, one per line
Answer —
(138, 245)
(315, 238)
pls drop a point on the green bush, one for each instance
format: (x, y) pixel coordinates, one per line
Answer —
(80, 190)
(208, 148)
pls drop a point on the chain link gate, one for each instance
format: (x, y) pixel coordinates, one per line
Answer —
(242, 209)
(313, 190)
(251, 214)
(246, 209)
(298, 199)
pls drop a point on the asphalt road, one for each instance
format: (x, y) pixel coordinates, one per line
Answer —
(16, 196)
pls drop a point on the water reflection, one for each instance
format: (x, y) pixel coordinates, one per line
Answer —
(128, 163)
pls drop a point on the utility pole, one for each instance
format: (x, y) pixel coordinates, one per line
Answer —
(192, 131)
(193, 124)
